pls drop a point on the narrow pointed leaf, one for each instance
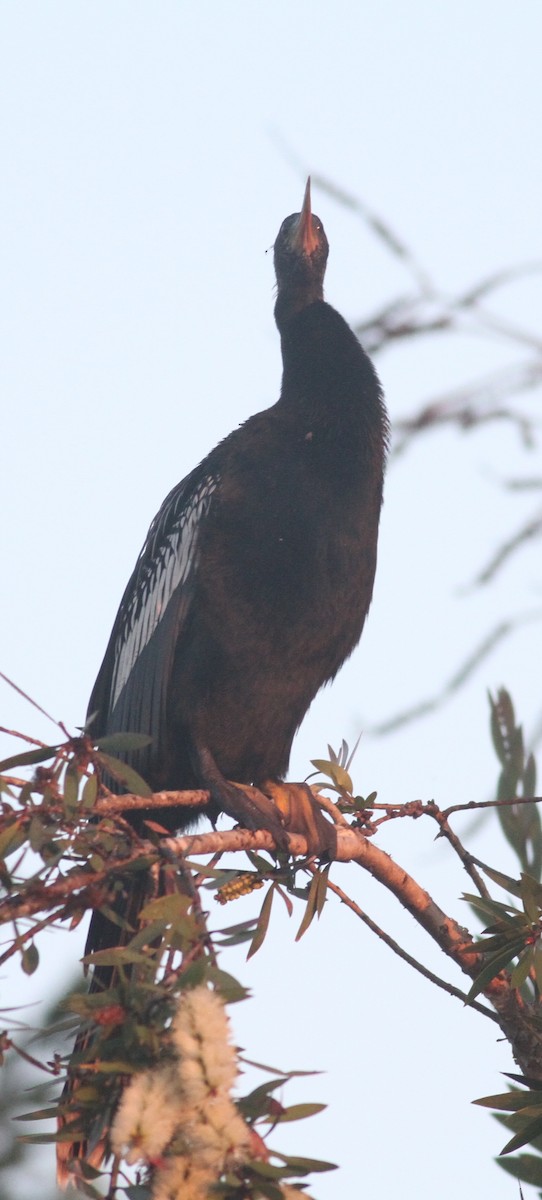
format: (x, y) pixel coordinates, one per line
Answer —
(305, 1165)
(321, 890)
(123, 741)
(262, 923)
(531, 1131)
(298, 1112)
(29, 757)
(497, 963)
(508, 1101)
(522, 968)
(126, 775)
(90, 791)
(526, 1167)
(310, 908)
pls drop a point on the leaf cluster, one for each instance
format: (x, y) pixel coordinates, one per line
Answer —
(520, 823)
(59, 858)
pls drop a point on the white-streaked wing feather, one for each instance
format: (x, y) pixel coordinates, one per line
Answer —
(166, 562)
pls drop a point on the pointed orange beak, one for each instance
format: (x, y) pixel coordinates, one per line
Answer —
(304, 238)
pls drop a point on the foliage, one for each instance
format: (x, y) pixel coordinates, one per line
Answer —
(513, 939)
(56, 864)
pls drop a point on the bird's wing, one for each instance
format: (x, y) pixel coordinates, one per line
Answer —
(131, 689)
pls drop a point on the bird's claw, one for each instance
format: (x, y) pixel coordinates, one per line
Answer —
(301, 814)
(252, 809)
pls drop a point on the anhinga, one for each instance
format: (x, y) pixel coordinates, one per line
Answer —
(255, 580)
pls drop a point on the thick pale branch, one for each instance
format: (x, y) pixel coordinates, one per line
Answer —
(352, 846)
(128, 802)
(515, 1018)
(83, 889)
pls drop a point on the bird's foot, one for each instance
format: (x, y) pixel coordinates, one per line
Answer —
(254, 810)
(301, 814)
(245, 804)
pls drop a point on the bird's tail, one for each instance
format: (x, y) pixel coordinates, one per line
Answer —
(83, 1123)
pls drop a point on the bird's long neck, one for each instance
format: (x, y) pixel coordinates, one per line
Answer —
(326, 372)
(298, 292)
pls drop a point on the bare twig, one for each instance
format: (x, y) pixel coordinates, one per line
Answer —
(398, 950)
(446, 832)
(383, 230)
(34, 703)
(472, 804)
(467, 668)
(329, 807)
(473, 405)
(527, 532)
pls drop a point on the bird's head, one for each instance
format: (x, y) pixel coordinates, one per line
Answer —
(301, 251)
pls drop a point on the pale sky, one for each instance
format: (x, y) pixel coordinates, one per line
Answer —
(144, 176)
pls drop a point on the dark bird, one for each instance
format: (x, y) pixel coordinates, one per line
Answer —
(257, 573)
(256, 577)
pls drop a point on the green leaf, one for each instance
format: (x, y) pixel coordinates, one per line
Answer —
(321, 889)
(531, 892)
(285, 1075)
(126, 775)
(529, 777)
(114, 958)
(271, 1191)
(29, 757)
(257, 1185)
(262, 923)
(260, 864)
(239, 934)
(324, 766)
(335, 772)
(304, 1166)
(171, 909)
(30, 959)
(38, 1139)
(501, 941)
(522, 968)
(509, 1101)
(40, 1114)
(90, 792)
(492, 908)
(113, 1067)
(71, 786)
(497, 735)
(537, 963)
(37, 834)
(230, 989)
(12, 838)
(505, 881)
(506, 718)
(532, 1130)
(256, 1104)
(265, 1170)
(517, 751)
(310, 908)
(298, 1112)
(526, 1167)
(146, 936)
(496, 963)
(123, 741)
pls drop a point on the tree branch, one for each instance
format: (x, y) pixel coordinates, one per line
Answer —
(398, 950)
